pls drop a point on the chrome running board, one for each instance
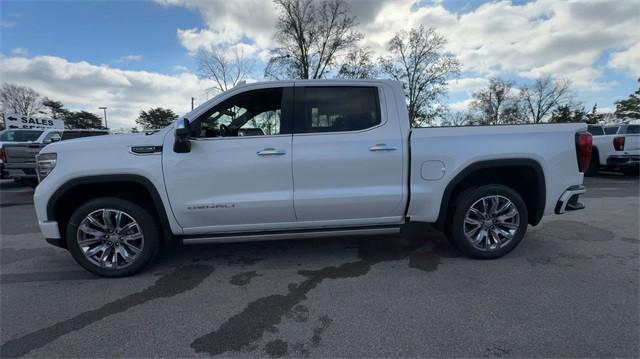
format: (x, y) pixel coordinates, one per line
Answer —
(267, 236)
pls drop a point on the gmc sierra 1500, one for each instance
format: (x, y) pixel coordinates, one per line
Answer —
(300, 159)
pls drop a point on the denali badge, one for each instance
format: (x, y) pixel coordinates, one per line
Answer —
(212, 206)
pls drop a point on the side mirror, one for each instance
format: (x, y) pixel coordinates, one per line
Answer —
(54, 139)
(182, 132)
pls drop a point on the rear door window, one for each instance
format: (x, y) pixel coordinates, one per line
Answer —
(336, 109)
(595, 130)
(633, 129)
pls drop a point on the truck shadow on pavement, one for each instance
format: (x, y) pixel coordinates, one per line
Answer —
(262, 315)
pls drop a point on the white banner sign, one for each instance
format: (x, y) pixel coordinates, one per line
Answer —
(17, 121)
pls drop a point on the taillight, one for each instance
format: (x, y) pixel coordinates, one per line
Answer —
(583, 150)
(618, 143)
(3, 156)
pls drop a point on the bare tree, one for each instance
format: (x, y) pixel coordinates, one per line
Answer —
(20, 100)
(543, 96)
(457, 118)
(498, 104)
(418, 60)
(226, 67)
(358, 64)
(311, 34)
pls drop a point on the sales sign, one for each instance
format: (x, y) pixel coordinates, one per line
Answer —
(12, 121)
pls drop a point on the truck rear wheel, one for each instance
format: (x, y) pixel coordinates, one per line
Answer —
(112, 237)
(488, 221)
(594, 164)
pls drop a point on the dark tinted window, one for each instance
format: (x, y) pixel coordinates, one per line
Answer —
(611, 130)
(336, 109)
(633, 129)
(251, 113)
(595, 130)
(69, 135)
(20, 136)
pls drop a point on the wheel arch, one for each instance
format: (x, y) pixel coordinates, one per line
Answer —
(478, 171)
(127, 186)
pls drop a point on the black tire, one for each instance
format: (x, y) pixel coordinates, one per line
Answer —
(147, 224)
(467, 199)
(594, 164)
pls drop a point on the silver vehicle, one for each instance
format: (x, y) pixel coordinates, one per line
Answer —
(20, 158)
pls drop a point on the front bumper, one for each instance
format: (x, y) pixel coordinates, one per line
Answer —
(49, 229)
(569, 200)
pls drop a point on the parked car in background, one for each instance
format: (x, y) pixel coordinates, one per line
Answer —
(226, 172)
(602, 147)
(16, 136)
(20, 158)
(626, 155)
(615, 148)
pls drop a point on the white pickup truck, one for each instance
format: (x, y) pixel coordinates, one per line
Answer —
(615, 147)
(300, 159)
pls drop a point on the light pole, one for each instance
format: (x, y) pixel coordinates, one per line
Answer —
(105, 116)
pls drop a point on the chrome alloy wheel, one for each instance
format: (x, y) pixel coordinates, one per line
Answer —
(110, 238)
(491, 223)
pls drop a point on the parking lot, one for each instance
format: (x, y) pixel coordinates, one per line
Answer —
(569, 290)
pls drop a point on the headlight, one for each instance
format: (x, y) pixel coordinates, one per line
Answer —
(45, 163)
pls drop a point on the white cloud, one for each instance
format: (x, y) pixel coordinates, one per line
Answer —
(128, 58)
(542, 37)
(627, 60)
(461, 105)
(228, 22)
(180, 68)
(85, 86)
(20, 51)
(561, 38)
(7, 24)
(468, 85)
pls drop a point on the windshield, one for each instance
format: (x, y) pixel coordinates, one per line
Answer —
(19, 135)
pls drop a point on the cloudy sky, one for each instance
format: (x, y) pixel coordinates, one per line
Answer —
(133, 55)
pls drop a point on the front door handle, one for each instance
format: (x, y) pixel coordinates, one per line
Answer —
(381, 147)
(271, 152)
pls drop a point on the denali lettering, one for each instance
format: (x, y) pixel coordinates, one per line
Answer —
(212, 206)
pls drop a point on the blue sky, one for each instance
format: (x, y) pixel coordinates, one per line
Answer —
(131, 55)
(100, 32)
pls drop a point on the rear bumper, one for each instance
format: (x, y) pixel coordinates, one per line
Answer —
(22, 170)
(569, 200)
(623, 161)
(3, 172)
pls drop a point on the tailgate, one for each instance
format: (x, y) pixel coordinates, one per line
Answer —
(22, 153)
(632, 143)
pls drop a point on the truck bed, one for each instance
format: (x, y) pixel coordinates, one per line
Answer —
(438, 154)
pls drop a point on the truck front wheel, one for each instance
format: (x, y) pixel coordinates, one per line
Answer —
(112, 237)
(488, 221)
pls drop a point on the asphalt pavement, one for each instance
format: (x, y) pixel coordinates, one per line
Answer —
(571, 289)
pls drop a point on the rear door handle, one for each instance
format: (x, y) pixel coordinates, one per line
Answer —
(271, 152)
(381, 147)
